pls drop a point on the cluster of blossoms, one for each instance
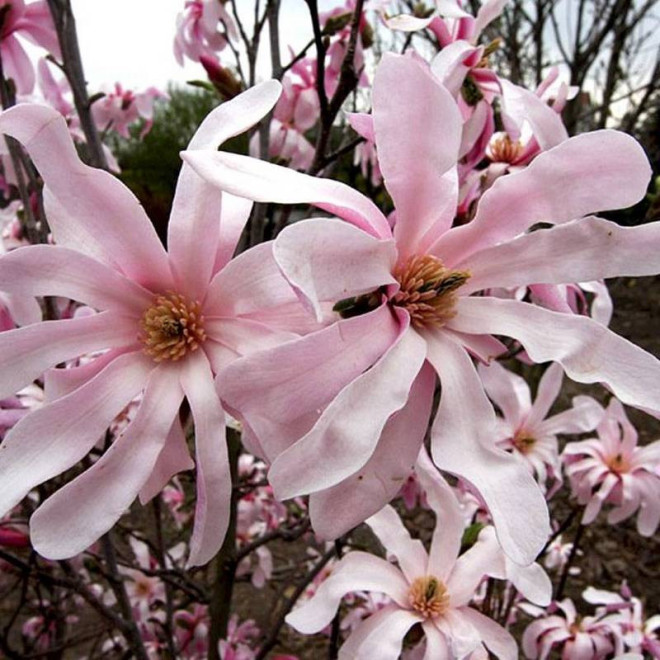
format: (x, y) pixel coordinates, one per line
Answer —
(355, 354)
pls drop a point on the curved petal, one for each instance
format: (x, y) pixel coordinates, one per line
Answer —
(59, 434)
(546, 393)
(82, 511)
(47, 270)
(330, 260)
(23, 310)
(380, 636)
(461, 443)
(197, 205)
(25, 353)
(357, 571)
(449, 520)
(347, 432)
(338, 509)
(265, 182)
(396, 540)
(588, 351)
(407, 97)
(531, 581)
(102, 217)
(498, 640)
(244, 336)
(585, 415)
(234, 217)
(587, 249)
(213, 475)
(508, 391)
(311, 371)
(437, 647)
(584, 174)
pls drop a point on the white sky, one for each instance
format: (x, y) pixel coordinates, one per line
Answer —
(130, 41)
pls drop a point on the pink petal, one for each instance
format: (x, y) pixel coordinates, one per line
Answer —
(584, 416)
(235, 214)
(488, 12)
(498, 640)
(588, 351)
(363, 124)
(244, 336)
(82, 511)
(197, 206)
(587, 249)
(449, 520)
(27, 352)
(357, 571)
(89, 210)
(531, 581)
(56, 436)
(265, 182)
(213, 476)
(585, 174)
(173, 458)
(23, 310)
(508, 391)
(347, 432)
(338, 509)
(380, 636)
(395, 538)
(413, 160)
(407, 22)
(330, 260)
(546, 393)
(436, 643)
(45, 270)
(17, 64)
(514, 500)
(310, 371)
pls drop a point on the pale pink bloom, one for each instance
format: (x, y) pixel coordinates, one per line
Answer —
(42, 630)
(33, 22)
(120, 108)
(365, 153)
(14, 408)
(342, 441)
(57, 93)
(170, 322)
(525, 427)
(238, 645)
(580, 638)
(612, 469)
(432, 589)
(557, 555)
(287, 144)
(143, 590)
(197, 29)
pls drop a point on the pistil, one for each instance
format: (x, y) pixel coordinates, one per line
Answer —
(429, 596)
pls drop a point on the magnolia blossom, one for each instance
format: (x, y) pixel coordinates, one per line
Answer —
(405, 313)
(612, 469)
(525, 428)
(581, 638)
(433, 589)
(32, 22)
(168, 322)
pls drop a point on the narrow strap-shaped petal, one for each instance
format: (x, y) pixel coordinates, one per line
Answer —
(461, 443)
(585, 174)
(311, 371)
(357, 571)
(588, 351)
(196, 209)
(347, 432)
(449, 520)
(102, 217)
(56, 436)
(587, 249)
(413, 160)
(338, 509)
(47, 270)
(82, 511)
(508, 391)
(235, 214)
(330, 260)
(380, 636)
(27, 352)
(213, 475)
(395, 538)
(265, 182)
(546, 394)
(499, 641)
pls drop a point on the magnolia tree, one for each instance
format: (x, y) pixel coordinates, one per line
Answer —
(327, 419)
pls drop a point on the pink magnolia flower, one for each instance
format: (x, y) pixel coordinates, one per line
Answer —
(169, 322)
(363, 386)
(192, 632)
(143, 590)
(32, 22)
(612, 469)
(526, 429)
(433, 589)
(197, 31)
(580, 638)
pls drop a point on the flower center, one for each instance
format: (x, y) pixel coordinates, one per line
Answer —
(428, 290)
(428, 596)
(523, 442)
(504, 150)
(618, 464)
(172, 327)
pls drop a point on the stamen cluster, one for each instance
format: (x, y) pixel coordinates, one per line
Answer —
(172, 327)
(428, 290)
(505, 150)
(429, 596)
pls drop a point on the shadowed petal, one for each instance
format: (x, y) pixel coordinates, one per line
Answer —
(497, 639)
